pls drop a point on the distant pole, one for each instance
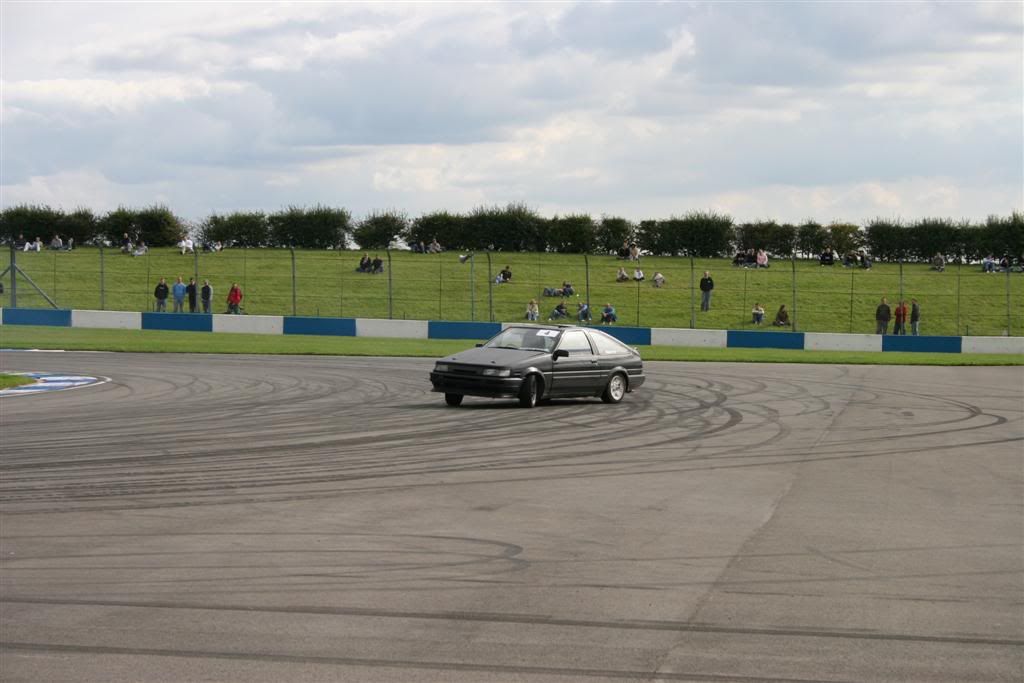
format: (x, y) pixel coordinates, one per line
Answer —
(195, 264)
(103, 292)
(792, 259)
(693, 294)
(14, 279)
(390, 291)
(744, 304)
(145, 290)
(341, 283)
(472, 283)
(294, 295)
(901, 280)
(586, 266)
(852, 272)
(440, 288)
(490, 288)
(1009, 321)
(958, 297)
(638, 303)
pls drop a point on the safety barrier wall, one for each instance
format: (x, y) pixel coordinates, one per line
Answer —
(442, 329)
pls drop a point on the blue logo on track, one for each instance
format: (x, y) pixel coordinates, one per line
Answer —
(48, 381)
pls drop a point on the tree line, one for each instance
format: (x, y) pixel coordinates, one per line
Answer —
(516, 227)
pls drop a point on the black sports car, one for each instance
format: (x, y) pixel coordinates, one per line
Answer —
(538, 362)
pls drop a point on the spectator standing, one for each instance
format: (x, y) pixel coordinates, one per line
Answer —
(658, 280)
(634, 252)
(882, 317)
(915, 318)
(206, 296)
(608, 315)
(899, 325)
(782, 317)
(707, 285)
(192, 291)
(235, 299)
(762, 258)
(160, 294)
(757, 313)
(532, 310)
(178, 292)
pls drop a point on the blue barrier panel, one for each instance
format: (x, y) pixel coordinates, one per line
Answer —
(439, 329)
(53, 317)
(745, 339)
(334, 327)
(892, 342)
(639, 336)
(179, 322)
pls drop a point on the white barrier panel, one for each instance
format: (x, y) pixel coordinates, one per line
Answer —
(823, 341)
(992, 345)
(250, 324)
(400, 329)
(110, 320)
(661, 336)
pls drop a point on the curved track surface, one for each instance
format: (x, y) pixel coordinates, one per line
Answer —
(268, 519)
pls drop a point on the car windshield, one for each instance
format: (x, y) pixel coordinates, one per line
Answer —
(525, 338)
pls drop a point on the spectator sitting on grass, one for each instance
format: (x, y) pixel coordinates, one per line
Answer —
(376, 265)
(187, 246)
(583, 312)
(1004, 264)
(126, 244)
(988, 264)
(560, 311)
(750, 259)
(567, 289)
(739, 259)
(532, 310)
(608, 315)
(56, 243)
(634, 252)
(762, 258)
(865, 261)
(827, 258)
(34, 246)
(938, 263)
(365, 264)
(758, 313)
(622, 275)
(850, 259)
(435, 247)
(505, 275)
(658, 280)
(638, 274)
(782, 317)
(623, 252)
(140, 249)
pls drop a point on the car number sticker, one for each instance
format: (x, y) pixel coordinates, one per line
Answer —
(547, 333)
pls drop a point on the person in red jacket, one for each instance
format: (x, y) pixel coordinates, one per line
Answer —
(234, 299)
(900, 318)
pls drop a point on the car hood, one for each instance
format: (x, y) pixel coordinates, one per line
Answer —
(495, 357)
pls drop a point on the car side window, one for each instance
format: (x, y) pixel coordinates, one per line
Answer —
(606, 346)
(575, 342)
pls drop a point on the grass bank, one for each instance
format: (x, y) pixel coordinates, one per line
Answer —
(439, 287)
(157, 341)
(8, 381)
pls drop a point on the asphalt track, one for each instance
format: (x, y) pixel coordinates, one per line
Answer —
(298, 519)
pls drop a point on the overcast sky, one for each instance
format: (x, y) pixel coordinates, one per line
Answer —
(825, 111)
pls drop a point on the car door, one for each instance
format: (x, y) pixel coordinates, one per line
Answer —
(574, 374)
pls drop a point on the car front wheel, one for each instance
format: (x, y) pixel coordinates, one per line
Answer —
(528, 392)
(615, 390)
(453, 399)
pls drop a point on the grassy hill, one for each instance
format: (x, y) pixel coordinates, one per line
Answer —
(438, 286)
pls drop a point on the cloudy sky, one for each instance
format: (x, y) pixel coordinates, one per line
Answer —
(788, 111)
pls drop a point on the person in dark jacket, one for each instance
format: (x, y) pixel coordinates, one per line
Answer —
(160, 293)
(377, 266)
(206, 296)
(706, 285)
(882, 317)
(191, 291)
(915, 318)
(782, 317)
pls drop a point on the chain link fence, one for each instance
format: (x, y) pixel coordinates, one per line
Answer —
(962, 300)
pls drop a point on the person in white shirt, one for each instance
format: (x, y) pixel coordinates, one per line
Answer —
(187, 246)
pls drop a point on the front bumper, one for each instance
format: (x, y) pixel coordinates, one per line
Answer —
(476, 385)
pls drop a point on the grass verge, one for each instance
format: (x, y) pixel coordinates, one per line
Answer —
(8, 381)
(157, 341)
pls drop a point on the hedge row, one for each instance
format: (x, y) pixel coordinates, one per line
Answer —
(518, 228)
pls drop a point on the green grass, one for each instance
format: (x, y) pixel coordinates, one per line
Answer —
(437, 286)
(79, 339)
(8, 381)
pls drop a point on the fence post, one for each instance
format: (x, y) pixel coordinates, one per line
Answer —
(195, 264)
(391, 298)
(693, 303)
(586, 268)
(638, 303)
(341, 283)
(103, 291)
(294, 307)
(792, 260)
(14, 276)
(1009, 321)
(55, 276)
(145, 290)
(490, 289)
(958, 265)
(744, 305)
(852, 273)
(440, 286)
(901, 282)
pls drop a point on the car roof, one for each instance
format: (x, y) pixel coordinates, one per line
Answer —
(543, 327)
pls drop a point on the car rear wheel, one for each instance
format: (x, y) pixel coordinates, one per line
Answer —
(528, 392)
(453, 399)
(616, 388)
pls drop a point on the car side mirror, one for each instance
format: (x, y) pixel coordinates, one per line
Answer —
(560, 353)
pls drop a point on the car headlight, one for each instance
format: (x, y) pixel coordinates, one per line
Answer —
(497, 372)
(441, 367)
